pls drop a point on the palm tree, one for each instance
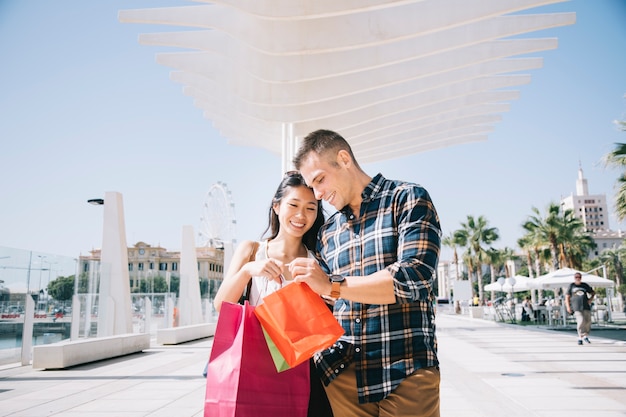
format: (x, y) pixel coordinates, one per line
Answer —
(474, 233)
(526, 244)
(497, 260)
(453, 242)
(494, 259)
(547, 229)
(613, 259)
(574, 241)
(508, 254)
(617, 158)
(578, 247)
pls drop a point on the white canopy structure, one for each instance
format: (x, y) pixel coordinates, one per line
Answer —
(561, 278)
(394, 77)
(519, 283)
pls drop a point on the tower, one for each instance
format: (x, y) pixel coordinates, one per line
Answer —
(590, 208)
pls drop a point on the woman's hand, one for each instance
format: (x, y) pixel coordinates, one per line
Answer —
(271, 269)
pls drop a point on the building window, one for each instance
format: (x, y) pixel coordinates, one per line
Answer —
(130, 266)
(163, 266)
(174, 266)
(140, 266)
(86, 267)
(151, 265)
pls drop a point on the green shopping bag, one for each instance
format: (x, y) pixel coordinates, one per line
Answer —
(279, 361)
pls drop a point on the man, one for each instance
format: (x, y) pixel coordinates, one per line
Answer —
(578, 299)
(378, 257)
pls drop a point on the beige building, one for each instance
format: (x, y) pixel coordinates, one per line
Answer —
(592, 209)
(146, 261)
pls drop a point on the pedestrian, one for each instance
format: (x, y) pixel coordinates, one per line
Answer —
(295, 216)
(377, 259)
(578, 300)
(527, 309)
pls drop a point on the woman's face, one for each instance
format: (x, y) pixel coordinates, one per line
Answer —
(297, 210)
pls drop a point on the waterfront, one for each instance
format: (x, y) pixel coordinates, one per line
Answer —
(487, 369)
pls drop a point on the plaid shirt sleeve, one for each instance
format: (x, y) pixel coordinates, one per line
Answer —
(398, 229)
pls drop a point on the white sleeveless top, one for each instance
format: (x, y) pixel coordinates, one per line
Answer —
(262, 286)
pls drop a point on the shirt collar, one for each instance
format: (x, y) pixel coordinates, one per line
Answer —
(370, 192)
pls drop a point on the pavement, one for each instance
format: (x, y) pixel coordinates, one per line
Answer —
(488, 369)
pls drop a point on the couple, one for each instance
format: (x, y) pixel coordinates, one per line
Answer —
(375, 258)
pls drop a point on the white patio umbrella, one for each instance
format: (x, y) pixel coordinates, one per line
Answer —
(561, 278)
(518, 283)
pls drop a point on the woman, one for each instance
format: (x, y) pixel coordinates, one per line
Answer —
(295, 217)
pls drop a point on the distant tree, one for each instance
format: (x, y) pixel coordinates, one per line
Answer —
(495, 260)
(452, 241)
(617, 158)
(526, 244)
(62, 288)
(475, 233)
(613, 259)
(546, 229)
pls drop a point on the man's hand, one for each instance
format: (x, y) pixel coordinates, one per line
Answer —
(309, 271)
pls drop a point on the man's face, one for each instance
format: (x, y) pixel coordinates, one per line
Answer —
(328, 181)
(577, 278)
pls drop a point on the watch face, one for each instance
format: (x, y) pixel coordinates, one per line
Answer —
(337, 278)
(141, 251)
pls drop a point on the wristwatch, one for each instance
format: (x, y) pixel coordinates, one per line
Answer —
(335, 289)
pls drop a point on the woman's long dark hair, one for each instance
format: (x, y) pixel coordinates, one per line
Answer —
(293, 179)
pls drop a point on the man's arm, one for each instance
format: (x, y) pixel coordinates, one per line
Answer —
(591, 295)
(376, 288)
(419, 244)
(567, 304)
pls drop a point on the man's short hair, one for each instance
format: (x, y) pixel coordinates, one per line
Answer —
(324, 143)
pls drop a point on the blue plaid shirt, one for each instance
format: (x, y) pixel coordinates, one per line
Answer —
(398, 229)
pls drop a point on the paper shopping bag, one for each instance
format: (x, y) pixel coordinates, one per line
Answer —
(242, 380)
(280, 362)
(298, 321)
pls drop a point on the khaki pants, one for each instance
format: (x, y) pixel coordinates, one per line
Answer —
(583, 322)
(417, 395)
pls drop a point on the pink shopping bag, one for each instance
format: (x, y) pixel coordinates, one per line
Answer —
(242, 380)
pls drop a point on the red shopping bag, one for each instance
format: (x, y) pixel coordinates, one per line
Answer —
(298, 321)
(242, 380)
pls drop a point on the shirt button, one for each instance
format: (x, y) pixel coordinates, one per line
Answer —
(342, 366)
(357, 236)
(357, 350)
(358, 320)
(336, 371)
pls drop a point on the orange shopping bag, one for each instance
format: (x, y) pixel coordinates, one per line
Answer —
(298, 321)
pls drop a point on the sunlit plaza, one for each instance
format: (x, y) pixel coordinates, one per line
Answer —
(125, 328)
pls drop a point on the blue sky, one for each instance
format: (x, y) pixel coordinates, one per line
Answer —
(85, 109)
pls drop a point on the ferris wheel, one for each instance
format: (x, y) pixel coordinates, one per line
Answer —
(217, 221)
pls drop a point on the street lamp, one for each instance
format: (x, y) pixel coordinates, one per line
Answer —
(41, 261)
